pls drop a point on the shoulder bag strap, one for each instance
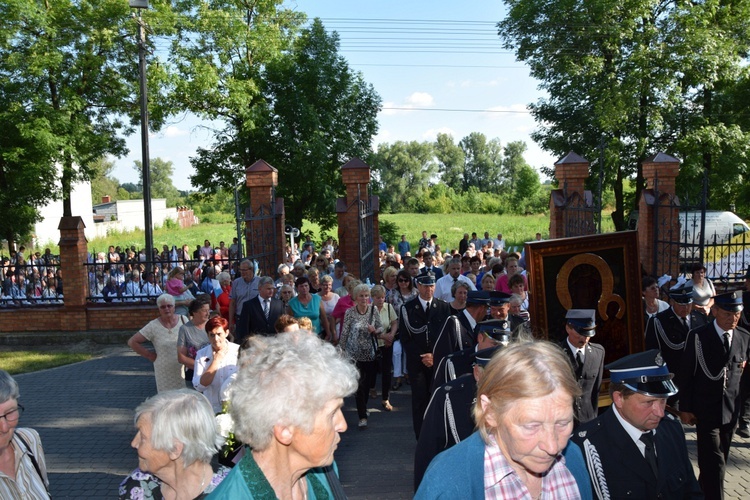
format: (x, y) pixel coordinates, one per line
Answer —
(335, 484)
(33, 459)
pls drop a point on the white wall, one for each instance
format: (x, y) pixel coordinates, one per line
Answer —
(46, 231)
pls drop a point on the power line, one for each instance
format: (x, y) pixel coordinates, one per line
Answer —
(456, 110)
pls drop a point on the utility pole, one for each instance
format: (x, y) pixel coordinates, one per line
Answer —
(145, 160)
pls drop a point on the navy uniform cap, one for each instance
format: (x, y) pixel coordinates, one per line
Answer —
(426, 279)
(498, 298)
(483, 357)
(478, 297)
(583, 321)
(730, 301)
(497, 329)
(682, 294)
(643, 372)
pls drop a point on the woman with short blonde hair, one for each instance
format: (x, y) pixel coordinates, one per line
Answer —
(524, 415)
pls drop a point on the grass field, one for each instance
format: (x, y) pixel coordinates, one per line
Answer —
(15, 362)
(516, 230)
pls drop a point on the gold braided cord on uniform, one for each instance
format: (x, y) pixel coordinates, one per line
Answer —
(661, 334)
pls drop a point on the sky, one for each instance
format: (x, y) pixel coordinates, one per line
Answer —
(438, 66)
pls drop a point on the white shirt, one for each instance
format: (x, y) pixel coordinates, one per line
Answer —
(576, 350)
(444, 284)
(721, 334)
(203, 358)
(633, 432)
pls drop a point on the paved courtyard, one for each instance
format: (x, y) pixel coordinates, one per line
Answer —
(84, 414)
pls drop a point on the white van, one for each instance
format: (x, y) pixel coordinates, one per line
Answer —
(720, 227)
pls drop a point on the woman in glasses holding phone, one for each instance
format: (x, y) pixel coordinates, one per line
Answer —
(404, 292)
(23, 470)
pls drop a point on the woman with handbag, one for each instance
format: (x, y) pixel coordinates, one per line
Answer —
(359, 340)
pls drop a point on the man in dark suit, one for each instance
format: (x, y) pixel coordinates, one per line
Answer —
(632, 450)
(709, 381)
(668, 330)
(429, 268)
(490, 333)
(448, 419)
(459, 330)
(587, 361)
(259, 314)
(420, 320)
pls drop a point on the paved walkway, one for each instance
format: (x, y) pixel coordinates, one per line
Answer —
(84, 414)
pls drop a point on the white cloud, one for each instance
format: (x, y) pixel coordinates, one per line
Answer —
(431, 134)
(420, 99)
(172, 131)
(382, 137)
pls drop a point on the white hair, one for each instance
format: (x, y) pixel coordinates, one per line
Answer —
(8, 387)
(184, 416)
(294, 375)
(164, 298)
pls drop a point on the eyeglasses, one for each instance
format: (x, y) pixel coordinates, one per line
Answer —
(403, 280)
(13, 415)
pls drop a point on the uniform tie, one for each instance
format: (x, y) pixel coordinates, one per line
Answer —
(727, 344)
(684, 322)
(266, 308)
(647, 438)
(579, 363)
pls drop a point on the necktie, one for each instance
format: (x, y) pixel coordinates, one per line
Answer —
(684, 322)
(266, 308)
(455, 279)
(579, 359)
(648, 439)
(726, 343)
(427, 310)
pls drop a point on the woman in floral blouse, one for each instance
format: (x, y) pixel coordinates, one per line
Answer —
(359, 335)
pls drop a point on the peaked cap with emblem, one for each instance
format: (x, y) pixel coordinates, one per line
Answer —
(426, 279)
(682, 294)
(498, 298)
(583, 321)
(497, 329)
(645, 373)
(730, 301)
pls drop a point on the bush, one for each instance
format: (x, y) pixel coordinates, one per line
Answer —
(389, 231)
(216, 218)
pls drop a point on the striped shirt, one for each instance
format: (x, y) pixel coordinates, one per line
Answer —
(27, 484)
(502, 482)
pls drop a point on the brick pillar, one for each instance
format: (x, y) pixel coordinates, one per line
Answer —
(264, 237)
(73, 254)
(665, 168)
(356, 177)
(571, 172)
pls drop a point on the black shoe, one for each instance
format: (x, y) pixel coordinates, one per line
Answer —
(743, 432)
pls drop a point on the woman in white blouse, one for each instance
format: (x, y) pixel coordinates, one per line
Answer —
(215, 363)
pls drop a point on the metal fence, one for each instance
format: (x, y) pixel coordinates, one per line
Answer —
(37, 282)
(143, 281)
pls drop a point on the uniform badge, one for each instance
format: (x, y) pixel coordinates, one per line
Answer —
(581, 434)
(659, 360)
(447, 388)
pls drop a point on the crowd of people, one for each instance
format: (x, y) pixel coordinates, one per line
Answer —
(521, 416)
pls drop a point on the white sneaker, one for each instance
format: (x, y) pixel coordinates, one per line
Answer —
(362, 423)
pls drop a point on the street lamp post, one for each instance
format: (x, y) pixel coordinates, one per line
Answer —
(145, 160)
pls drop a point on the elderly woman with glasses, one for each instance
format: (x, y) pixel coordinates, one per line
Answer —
(162, 332)
(291, 437)
(176, 439)
(23, 470)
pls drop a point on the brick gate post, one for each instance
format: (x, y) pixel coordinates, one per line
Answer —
(261, 180)
(73, 254)
(356, 177)
(571, 172)
(665, 168)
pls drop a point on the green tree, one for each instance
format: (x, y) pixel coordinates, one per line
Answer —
(403, 172)
(451, 159)
(315, 115)
(160, 173)
(483, 160)
(641, 76)
(70, 64)
(526, 195)
(102, 182)
(513, 162)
